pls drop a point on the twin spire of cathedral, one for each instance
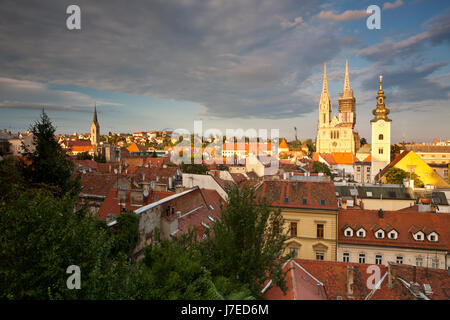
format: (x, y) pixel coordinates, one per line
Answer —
(348, 92)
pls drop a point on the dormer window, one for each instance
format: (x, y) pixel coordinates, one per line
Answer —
(419, 236)
(433, 237)
(348, 232)
(393, 235)
(379, 234)
(361, 233)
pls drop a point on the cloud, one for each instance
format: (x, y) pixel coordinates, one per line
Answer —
(392, 5)
(413, 84)
(285, 23)
(438, 31)
(25, 94)
(224, 55)
(345, 16)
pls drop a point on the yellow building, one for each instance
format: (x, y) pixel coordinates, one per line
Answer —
(310, 212)
(409, 161)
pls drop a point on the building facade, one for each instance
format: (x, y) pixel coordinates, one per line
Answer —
(310, 212)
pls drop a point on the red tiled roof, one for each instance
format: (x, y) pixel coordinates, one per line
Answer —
(111, 204)
(97, 184)
(79, 143)
(333, 276)
(300, 285)
(328, 158)
(401, 221)
(295, 191)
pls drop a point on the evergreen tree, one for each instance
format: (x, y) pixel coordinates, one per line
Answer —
(48, 163)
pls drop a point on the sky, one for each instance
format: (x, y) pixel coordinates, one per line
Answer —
(162, 64)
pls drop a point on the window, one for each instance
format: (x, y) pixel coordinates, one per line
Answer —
(419, 237)
(392, 235)
(348, 232)
(432, 237)
(419, 261)
(346, 257)
(378, 259)
(380, 151)
(286, 200)
(293, 229)
(322, 202)
(320, 231)
(380, 234)
(368, 169)
(358, 168)
(380, 137)
(362, 258)
(399, 260)
(320, 255)
(304, 201)
(294, 252)
(435, 263)
(361, 233)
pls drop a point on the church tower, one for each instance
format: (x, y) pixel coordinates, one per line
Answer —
(381, 134)
(347, 103)
(95, 129)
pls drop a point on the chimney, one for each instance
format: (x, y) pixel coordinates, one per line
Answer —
(415, 288)
(179, 214)
(122, 195)
(392, 274)
(170, 183)
(136, 197)
(380, 213)
(349, 284)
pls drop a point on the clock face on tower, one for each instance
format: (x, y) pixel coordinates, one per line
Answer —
(380, 100)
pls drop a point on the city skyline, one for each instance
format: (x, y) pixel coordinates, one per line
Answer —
(233, 65)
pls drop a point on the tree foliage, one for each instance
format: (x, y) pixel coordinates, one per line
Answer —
(84, 156)
(48, 163)
(243, 245)
(397, 175)
(321, 167)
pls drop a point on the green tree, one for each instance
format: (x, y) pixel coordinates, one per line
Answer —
(194, 168)
(244, 245)
(397, 175)
(48, 163)
(363, 141)
(84, 156)
(321, 167)
(125, 233)
(41, 236)
(99, 158)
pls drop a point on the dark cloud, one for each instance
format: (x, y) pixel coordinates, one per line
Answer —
(231, 57)
(412, 84)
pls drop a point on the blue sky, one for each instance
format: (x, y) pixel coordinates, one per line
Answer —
(233, 64)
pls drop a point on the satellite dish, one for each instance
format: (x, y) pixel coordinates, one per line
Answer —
(145, 193)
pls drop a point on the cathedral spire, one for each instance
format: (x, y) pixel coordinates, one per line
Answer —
(95, 114)
(347, 81)
(325, 96)
(325, 82)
